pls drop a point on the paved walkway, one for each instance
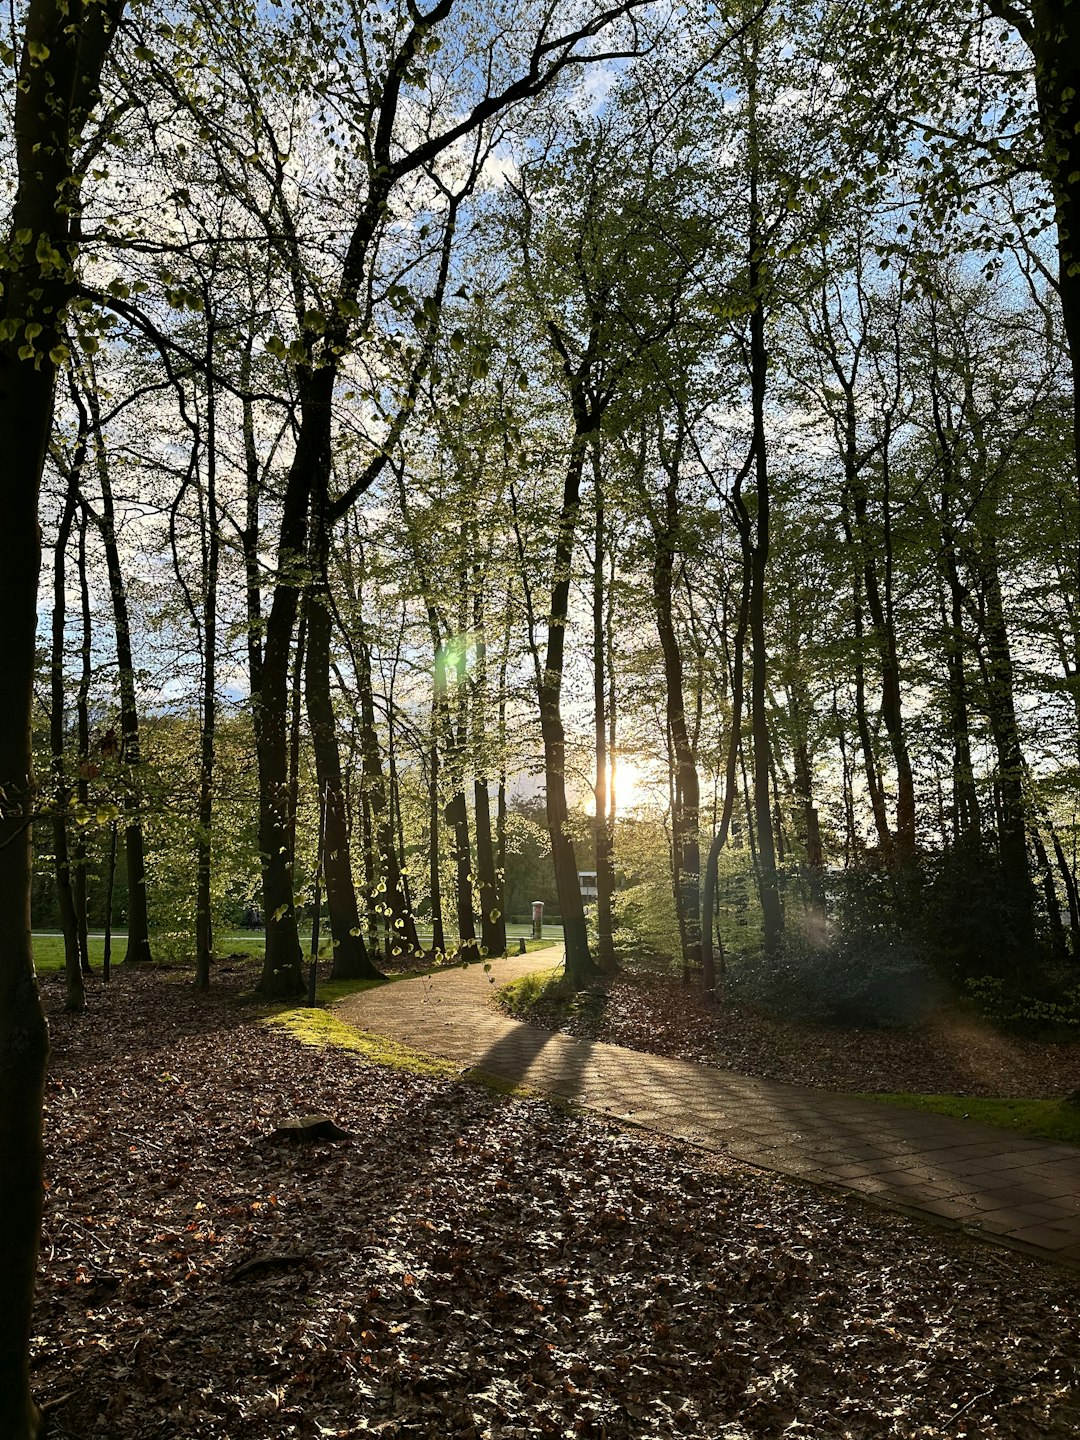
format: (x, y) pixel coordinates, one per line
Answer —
(1018, 1192)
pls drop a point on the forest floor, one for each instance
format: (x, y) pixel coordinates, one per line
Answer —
(954, 1053)
(479, 1266)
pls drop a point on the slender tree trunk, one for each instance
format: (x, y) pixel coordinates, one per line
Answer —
(603, 839)
(874, 786)
(799, 702)
(82, 722)
(371, 874)
(879, 603)
(438, 934)
(580, 966)
(685, 843)
(492, 919)
(204, 923)
(771, 909)
(736, 668)
(1001, 707)
(967, 816)
(401, 924)
(138, 924)
(351, 960)
(61, 788)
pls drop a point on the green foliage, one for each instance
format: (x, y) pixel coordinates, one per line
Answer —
(547, 998)
(873, 979)
(966, 916)
(1006, 1005)
(519, 996)
(646, 927)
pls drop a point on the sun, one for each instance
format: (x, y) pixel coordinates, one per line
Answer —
(629, 785)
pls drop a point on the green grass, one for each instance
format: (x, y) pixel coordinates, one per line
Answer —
(547, 991)
(321, 1029)
(49, 949)
(519, 997)
(1041, 1119)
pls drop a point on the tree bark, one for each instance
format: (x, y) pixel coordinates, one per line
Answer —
(603, 838)
(61, 788)
(685, 840)
(82, 724)
(580, 965)
(204, 923)
(1001, 710)
(768, 881)
(492, 918)
(58, 86)
(401, 925)
(351, 960)
(138, 921)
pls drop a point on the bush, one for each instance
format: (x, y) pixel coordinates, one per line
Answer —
(1005, 1005)
(969, 917)
(872, 978)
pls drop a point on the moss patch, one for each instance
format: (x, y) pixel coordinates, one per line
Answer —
(1041, 1119)
(521, 995)
(546, 998)
(320, 1029)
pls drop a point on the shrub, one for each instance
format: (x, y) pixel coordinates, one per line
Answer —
(1004, 1004)
(872, 978)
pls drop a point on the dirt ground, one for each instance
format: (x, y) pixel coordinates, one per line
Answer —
(955, 1054)
(472, 1266)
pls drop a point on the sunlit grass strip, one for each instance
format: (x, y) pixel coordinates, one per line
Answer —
(321, 1030)
(1041, 1119)
(519, 996)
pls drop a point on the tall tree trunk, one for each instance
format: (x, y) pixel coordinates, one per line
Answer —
(1001, 708)
(880, 604)
(736, 674)
(61, 788)
(438, 934)
(351, 960)
(492, 919)
(401, 925)
(138, 924)
(282, 974)
(798, 706)
(1051, 30)
(967, 816)
(204, 923)
(64, 49)
(580, 966)
(768, 881)
(82, 724)
(603, 838)
(685, 841)
(457, 813)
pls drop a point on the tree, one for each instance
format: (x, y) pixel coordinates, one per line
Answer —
(64, 48)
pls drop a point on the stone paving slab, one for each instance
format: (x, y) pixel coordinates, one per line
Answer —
(1014, 1191)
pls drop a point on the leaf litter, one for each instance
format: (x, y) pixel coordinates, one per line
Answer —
(954, 1052)
(479, 1268)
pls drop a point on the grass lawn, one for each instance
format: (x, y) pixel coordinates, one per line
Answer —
(1041, 1119)
(49, 948)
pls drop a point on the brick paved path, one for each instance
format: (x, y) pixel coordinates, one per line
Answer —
(1019, 1192)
